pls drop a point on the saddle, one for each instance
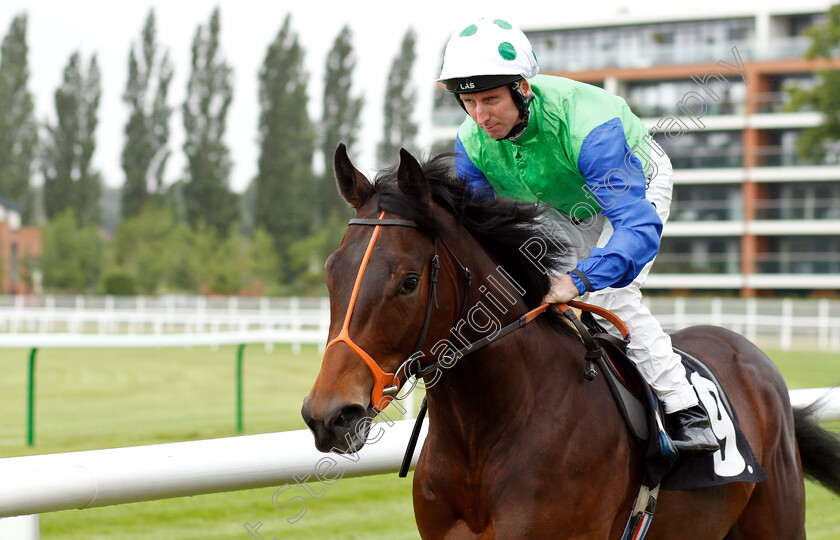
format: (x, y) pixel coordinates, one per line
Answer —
(619, 372)
(643, 414)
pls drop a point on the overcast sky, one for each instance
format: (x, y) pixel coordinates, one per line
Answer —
(108, 28)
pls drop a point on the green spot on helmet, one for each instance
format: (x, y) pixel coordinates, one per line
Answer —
(488, 51)
(507, 51)
(468, 31)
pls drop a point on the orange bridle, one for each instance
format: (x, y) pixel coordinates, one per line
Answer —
(385, 385)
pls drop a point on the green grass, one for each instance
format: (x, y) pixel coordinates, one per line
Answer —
(105, 398)
(353, 508)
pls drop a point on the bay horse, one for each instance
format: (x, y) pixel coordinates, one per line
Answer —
(520, 445)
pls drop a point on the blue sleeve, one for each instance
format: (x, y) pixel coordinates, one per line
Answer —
(470, 174)
(616, 180)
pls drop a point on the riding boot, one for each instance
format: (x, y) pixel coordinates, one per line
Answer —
(691, 431)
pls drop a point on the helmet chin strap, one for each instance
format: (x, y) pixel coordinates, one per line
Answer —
(519, 127)
(521, 103)
(524, 111)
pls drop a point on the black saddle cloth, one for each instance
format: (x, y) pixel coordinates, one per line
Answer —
(734, 462)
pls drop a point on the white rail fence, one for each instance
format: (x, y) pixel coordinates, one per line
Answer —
(784, 323)
(46, 483)
(35, 484)
(281, 320)
(779, 323)
(93, 478)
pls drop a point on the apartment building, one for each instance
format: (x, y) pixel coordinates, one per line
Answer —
(20, 251)
(749, 217)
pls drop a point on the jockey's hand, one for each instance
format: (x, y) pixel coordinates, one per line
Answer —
(562, 290)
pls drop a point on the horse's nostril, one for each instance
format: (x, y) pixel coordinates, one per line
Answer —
(306, 414)
(345, 418)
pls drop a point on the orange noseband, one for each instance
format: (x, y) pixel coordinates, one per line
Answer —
(385, 385)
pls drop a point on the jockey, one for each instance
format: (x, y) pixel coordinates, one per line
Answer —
(580, 151)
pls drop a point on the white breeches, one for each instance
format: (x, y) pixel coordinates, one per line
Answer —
(650, 347)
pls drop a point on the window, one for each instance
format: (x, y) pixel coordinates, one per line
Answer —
(703, 255)
(13, 272)
(799, 200)
(719, 202)
(797, 24)
(704, 149)
(800, 255)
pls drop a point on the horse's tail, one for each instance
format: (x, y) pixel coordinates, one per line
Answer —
(819, 449)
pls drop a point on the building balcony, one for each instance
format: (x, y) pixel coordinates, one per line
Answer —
(735, 281)
(733, 157)
(668, 280)
(784, 156)
(735, 175)
(553, 59)
(798, 263)
(784, 120)
(690, 228)
(706, 158)
(773, 102)
(782, 48)
(797, 209)
(793, 227)
(610, 56)
(684, 263)
(662, 110)
(826, 281)
(800, 173)
(702, 210)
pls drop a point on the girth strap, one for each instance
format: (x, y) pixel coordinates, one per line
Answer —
(593, 350)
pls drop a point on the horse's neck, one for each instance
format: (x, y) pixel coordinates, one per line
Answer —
(493, 393)
(504, 379)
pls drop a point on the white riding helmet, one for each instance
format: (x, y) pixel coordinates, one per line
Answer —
(487, 54)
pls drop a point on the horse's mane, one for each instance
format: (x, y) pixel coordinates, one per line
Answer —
(501, 226)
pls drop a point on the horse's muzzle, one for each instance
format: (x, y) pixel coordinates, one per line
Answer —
(342, 429)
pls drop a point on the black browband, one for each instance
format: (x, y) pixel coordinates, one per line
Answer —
(383, 221)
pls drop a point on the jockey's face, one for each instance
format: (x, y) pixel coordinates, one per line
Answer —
(494, 110)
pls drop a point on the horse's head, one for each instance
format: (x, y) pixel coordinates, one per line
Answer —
(381, 286)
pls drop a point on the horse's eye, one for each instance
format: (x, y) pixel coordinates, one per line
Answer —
(409, 284)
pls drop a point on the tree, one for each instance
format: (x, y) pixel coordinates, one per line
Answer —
(18, 128)
(400, 98)
(286, 205)
(339, 121)
(814, 142)
(142, 247)
(71, 254)
(206, 190)
(69, 178)
(184, 266)
(204, 242)
(262, 262)
(145, 152)
(227, 271)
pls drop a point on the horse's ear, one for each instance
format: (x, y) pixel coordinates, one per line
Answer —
(352, 185)
(411, 180)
